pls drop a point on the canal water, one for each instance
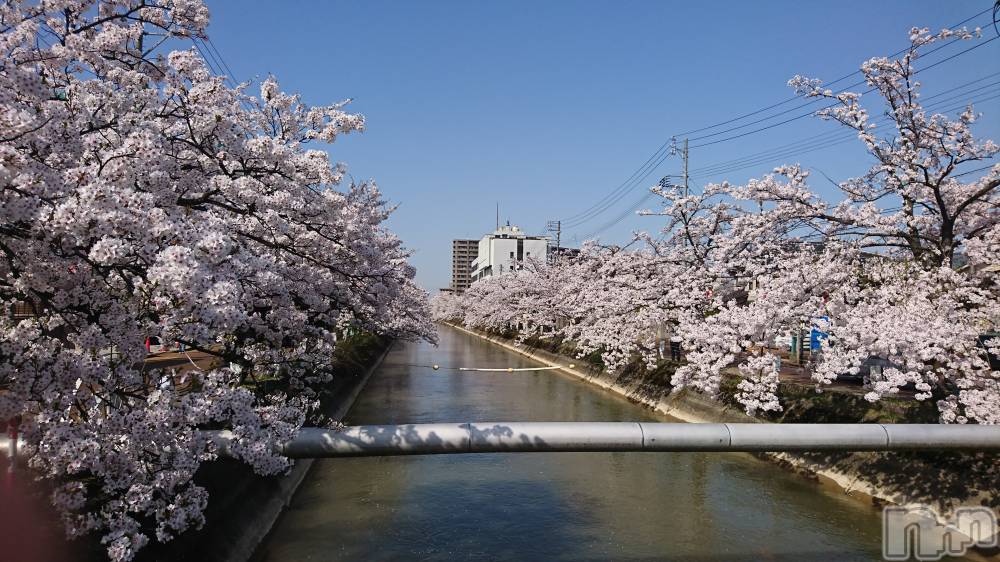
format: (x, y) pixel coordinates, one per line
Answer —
(549, 506)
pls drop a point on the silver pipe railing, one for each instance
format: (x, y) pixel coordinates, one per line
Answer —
(524, 437)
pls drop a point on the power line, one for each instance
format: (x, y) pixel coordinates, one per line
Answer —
(808, 149)
(814, 100)
(638, 181)
(702, 170)
(204, 57)
(607, 207)
(769, 152)
(959, 87)
(832, 105)
(625, 183)
(802, 146)
(229, 71)
(793, 98)
(957, 96)
(804, 149)
(846, 136)
(973, 171)
(213, 59)
(214, 63)
(972, 101)
(660, 154)
(622, 216)
(824, 140)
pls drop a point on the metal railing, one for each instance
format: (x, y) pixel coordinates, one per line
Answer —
(523, 437)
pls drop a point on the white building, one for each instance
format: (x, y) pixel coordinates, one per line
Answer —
(503, 251)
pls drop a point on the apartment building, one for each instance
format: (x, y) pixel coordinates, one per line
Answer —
(463, 252)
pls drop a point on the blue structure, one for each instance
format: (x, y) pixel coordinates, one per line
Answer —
(816, 336)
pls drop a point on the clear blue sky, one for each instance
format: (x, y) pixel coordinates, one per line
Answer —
(546, 107)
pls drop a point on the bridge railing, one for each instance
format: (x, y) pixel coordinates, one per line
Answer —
(522, 437)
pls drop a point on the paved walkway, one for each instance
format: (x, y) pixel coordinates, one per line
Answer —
(796, 374)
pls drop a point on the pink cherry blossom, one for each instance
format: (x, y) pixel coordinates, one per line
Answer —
(903, 267)
(141, 196)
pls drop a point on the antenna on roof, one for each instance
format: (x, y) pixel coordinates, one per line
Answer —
(498, 215)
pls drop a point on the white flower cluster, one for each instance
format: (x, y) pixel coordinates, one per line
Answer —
(140, 196)
(904, 268)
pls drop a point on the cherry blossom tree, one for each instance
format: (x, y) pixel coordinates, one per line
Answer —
(610, 300)
(140, 195)
(903, 267)
(882, 264)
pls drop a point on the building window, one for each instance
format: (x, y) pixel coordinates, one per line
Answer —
(512, 254)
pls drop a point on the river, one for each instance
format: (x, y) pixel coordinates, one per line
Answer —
(545, 506)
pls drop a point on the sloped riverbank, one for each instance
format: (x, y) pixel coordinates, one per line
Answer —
(943, 481)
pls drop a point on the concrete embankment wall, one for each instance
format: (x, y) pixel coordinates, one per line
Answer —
(942, 481)
(243, 507)
(685, 405)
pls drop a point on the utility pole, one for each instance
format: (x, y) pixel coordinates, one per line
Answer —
(685, 167)
(555, 226)
(684, 155)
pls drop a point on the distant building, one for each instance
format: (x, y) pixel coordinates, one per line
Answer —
(462, 254)
(19, 310)
(502, 251)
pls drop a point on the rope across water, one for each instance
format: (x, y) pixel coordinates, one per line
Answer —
(491, 369)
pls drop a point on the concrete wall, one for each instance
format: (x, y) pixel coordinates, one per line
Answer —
(685, 405)
(943, 484)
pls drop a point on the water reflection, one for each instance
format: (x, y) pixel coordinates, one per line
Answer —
(570, 506)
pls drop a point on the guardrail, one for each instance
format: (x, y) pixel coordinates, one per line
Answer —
(524, 437)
